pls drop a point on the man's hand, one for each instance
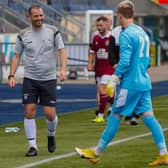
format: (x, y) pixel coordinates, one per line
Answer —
(11, 81)
(111, 85)
(62, 75)
(90, 67)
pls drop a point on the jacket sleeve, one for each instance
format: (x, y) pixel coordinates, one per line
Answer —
(112, 51)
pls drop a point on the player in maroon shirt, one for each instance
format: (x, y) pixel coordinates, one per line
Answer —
(100, 61)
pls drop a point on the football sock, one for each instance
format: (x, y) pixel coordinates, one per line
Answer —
(51, 125)
(157, 132)
(110, 100)
(108, 134)
(32, 143)
(30, 130)
(102, 103)
(101, 114)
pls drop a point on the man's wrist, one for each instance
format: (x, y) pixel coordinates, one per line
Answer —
(10, 76)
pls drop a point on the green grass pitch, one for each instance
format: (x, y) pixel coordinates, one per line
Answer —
(77, 129)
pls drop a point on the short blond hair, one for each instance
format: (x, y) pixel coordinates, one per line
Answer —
(126, 8)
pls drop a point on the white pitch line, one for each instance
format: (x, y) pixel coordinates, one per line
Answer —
(47, 160)
(74, 153)
(58, 100)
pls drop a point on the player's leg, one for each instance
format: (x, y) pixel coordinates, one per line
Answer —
(131, 120)
(109, 133)
(103, 98)
(154, 126)
(134, 119)
(122, 106)
(48, 100)
(110, 103)
(30, 128)
(110, 98)
(52, 121)
(112, 127)
(127, 120)
(158, 136)
(93, 155)
(102, 103)
(30, 96)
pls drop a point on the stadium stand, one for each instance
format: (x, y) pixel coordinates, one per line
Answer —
(69, 17)
(55, 17)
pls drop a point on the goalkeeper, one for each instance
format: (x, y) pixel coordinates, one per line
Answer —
(131, 120)
(134, 89)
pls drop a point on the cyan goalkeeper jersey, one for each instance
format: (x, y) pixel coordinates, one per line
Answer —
(134, 59)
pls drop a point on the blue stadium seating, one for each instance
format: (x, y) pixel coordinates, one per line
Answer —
(79, 5)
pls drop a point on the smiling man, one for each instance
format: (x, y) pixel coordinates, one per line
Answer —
(39, 42)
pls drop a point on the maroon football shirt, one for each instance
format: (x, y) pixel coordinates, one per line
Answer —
(100, 46)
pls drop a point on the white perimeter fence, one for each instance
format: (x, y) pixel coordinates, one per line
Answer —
(77, 61)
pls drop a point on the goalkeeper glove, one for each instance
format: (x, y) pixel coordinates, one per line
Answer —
(111, 85)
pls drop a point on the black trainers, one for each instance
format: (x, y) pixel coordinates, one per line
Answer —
(127, 120)
(51, 144)
(134, 121)
(31, 152)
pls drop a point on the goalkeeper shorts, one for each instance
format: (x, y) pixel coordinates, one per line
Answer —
(128, 102)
